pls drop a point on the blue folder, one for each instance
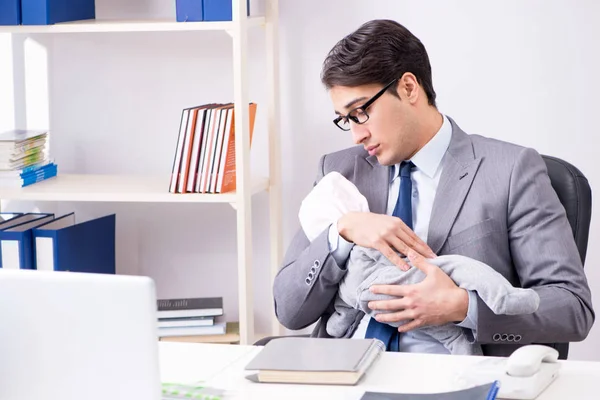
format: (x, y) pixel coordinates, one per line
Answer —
(48, 12)
(10, 12)
(220, 10)
(63, 245)
(189, 10)
(16, 219)
(17, 243)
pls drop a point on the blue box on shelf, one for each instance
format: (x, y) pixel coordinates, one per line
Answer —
(10, 12)
(189, 10)
(48, 12)
(219, 10)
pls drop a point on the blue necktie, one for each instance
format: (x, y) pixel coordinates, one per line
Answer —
(403, 210)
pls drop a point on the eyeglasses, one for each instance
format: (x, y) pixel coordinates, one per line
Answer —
(359, 115)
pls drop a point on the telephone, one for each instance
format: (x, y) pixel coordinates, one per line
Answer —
(523, 375)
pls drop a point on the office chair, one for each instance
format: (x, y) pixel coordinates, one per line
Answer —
(575, 195)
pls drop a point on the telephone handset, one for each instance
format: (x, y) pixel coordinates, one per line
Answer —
(527, 360)
(523, 375)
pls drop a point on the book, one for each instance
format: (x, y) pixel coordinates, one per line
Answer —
(30, 177)
(216, 329)
(231, 336)
(226, 181)
(15, 173)
(19, 137)
(190, 303)
(182, 322)
(488, 391)
(190, 307)
(315, 361)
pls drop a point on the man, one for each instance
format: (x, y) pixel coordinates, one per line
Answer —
(432, 189)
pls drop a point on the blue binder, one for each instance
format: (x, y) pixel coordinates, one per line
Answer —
(17, 244)
(219, 10)
(189, 10)
(10, 12)
(63, 245)
(48, 12)
(17, 219)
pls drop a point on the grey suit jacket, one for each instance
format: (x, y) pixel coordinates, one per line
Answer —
(494, 203)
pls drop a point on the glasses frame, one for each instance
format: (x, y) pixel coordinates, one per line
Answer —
(363, 108)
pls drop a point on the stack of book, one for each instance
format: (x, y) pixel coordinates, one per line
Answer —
(24, 158)
(204, 160)
(190, 317)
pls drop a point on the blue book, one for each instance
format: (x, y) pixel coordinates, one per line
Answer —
(48, 12)
(17, 243)
(30, 178)
(10, 12)
(64, 245)
(219, 10)
(189, 10)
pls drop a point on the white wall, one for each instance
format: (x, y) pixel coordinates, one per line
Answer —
(518, 71)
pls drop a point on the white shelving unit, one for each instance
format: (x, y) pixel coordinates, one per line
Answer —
(124, 188)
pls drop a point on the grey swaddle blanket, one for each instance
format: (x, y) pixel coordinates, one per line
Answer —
(333, 197)
(368, 267)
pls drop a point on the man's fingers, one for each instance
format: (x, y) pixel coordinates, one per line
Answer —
(418, 261)
(390, 290)
(409, 326)
(385, 305)
(411, 240)
(402, 315)
(391, 255)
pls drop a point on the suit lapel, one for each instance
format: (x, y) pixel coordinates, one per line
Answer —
(371, 179)
(459, 169)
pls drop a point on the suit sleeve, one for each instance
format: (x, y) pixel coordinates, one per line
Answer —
(546, 259)
(308, 281)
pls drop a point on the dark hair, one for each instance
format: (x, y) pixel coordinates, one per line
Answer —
(377, 52)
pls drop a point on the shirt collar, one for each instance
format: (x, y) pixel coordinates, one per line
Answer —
(428, 159)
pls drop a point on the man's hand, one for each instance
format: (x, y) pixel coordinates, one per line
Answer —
(434, 301)
(384, 233)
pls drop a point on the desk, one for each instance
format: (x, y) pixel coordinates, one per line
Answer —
(222, 366)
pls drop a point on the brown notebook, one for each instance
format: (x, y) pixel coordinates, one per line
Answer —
(315, 360)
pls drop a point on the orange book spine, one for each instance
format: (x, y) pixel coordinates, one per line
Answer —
(229, 173)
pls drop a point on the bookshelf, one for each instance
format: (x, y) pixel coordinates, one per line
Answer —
(129, 188)
(99, 26)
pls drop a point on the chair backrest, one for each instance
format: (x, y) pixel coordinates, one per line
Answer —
(575, 194)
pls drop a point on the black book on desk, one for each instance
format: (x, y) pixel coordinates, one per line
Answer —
(481, 392)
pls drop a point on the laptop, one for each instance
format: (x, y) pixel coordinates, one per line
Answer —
(73, 336)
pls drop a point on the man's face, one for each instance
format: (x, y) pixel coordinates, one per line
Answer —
(390, 131)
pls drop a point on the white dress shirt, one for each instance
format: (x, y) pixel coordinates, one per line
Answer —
(425, 179)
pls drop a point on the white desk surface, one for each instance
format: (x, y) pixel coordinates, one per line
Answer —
(222, 366)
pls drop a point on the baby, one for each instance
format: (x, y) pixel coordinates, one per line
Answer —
(333, 196)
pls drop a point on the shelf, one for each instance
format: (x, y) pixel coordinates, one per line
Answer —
(129, 26)
(117, 188)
